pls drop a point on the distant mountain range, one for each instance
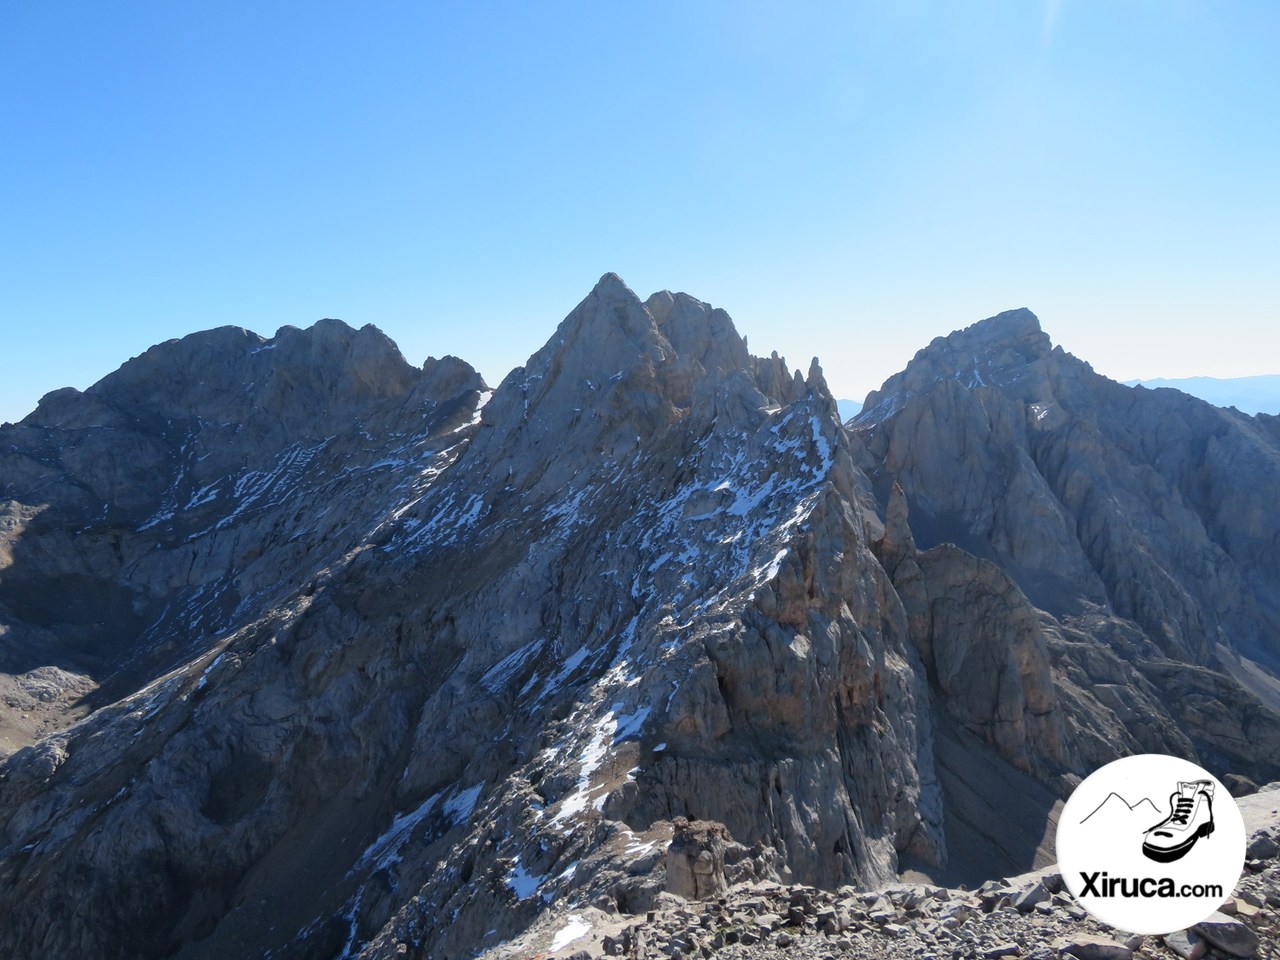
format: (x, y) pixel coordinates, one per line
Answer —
(1250, 395)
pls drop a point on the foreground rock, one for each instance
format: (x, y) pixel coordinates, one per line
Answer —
(769, 920)
(1232, 936)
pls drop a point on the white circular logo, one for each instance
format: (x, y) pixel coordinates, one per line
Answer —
(1151, 844)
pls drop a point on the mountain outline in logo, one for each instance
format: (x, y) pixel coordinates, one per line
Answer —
(1138, 806)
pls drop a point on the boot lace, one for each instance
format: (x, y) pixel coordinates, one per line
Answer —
(1182, 810)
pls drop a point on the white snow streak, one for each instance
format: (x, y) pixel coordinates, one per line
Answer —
(460, 807)
(571, 931)
(385, 851)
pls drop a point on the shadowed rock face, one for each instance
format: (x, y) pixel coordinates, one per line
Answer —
(409, 660)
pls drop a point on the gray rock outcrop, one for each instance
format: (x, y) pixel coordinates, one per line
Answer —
(1109, 549)
(161, 508)
(695, 859)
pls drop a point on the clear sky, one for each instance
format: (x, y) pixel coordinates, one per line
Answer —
(846, 179)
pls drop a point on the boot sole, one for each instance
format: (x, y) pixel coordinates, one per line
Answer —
(1169, 854)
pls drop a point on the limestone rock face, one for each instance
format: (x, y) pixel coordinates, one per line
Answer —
(369, 660)
(1135, 533)
(191, 491)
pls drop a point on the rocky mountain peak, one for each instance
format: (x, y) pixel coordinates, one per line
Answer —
(1007, 350)
(450, 375)
(1009, 326)
(1100, 503)
(609, 326)
(618, 369)
(699, 332)
(232, 374)
(611, 331)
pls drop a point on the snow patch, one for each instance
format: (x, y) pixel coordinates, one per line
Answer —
(629, 724)
(571, 931)
(575, 660)
(461, 805)
(770, 570)
(204, 676)
(481, 402)
(567, 513)
(593, 755)
(523, 883)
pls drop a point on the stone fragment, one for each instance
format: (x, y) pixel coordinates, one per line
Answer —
(1027, 900)
(1238, 785)
(1262, 847)
(1228, 934)
(1186, 944)
(1085, 947)
(695, 859)
(1251, 897)
(1001, 950)
(768, 922)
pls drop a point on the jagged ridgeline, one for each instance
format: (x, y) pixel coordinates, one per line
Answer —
(309, 653)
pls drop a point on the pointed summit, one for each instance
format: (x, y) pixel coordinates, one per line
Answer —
(659, 349)
(610, 285)
(618, 370)
(608, 332)
(595, 384)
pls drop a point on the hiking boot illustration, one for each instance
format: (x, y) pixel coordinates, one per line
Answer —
(1190, 818)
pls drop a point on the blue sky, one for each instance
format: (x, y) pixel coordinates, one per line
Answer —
(846, 179)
